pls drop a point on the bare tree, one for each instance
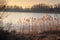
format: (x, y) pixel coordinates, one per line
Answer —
(3, 3)
(2, 16)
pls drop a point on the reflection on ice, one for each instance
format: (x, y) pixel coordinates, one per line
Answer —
(32, 22)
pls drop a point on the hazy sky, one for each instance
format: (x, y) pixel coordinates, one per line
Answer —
(29, 3)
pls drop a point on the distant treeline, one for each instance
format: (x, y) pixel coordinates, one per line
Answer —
(35, 8)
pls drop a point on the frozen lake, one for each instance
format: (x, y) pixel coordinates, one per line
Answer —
(14, 18)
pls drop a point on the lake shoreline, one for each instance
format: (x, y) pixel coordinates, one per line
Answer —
(33, 12)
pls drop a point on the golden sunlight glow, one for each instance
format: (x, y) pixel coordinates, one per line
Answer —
(29, 3)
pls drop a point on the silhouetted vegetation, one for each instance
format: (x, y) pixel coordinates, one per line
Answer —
(35, 8)
(5, 35)
(15, 8)
(46, 8)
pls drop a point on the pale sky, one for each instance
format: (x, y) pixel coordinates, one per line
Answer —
(29, 3)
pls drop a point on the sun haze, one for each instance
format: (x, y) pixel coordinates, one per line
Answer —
(29, 3)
